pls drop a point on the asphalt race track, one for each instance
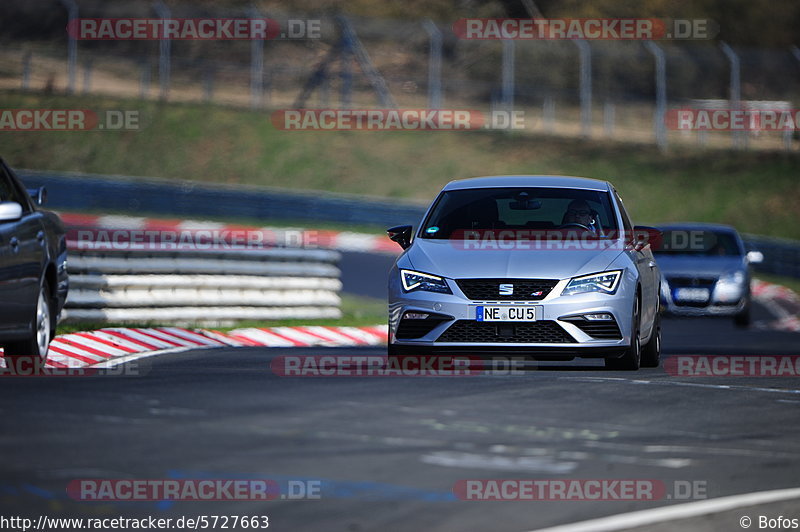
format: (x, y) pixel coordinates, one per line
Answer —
(387, 452)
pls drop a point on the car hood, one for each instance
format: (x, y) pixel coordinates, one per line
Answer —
(689, 266)
(443, 257)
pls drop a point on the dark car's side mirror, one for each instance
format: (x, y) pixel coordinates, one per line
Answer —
(10, 211)
(400, 234)
(644, 235)
(39, 195)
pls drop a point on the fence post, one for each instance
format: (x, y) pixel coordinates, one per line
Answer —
(507, 95)
(72, 45)
(164, 48)
(659, 124)
(434, 65)
(345, 70)
(549, 114)
(144, 79)
(87, 76)
(256, 67)
(586, 86)
(26, 71)
(735, 89)
(208, 84)
(608, 119)
(788, 134)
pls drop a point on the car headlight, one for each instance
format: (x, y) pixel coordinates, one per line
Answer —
(735, 278)
(423, 281)
(730, 287)
(605, 282)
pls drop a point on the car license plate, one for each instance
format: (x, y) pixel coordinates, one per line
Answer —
(505, 313)
(694, 295)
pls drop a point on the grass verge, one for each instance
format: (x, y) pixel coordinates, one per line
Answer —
(758, 192)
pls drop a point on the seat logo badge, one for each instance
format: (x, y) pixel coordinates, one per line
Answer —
(506, 289)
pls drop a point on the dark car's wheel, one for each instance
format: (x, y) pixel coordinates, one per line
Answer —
(631, 360)
(651, 352)
(25, 355)
(742, 319)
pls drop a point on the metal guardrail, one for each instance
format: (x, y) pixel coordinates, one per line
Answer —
(202, 286)
(86, 193)
(781, 256)
(81, 192)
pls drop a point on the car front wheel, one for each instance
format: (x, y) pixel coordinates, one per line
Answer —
(632, 358)
(32, 351)
(651, 352)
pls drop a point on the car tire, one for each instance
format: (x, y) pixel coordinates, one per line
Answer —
(651, 352)
(30, 353)
(632, 358)
(742, 319)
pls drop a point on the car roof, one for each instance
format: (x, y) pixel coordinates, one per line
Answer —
(552, 181)
(699, 226)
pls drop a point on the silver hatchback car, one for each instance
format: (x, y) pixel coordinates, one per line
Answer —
(548, 267)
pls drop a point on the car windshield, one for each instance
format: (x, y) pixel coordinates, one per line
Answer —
(699, 242)
(521, 209)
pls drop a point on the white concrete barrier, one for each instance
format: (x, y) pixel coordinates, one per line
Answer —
(204, 287)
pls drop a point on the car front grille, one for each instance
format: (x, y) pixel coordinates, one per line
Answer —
(692, 282)
(699, 282)
(489, 289)
(536, 332)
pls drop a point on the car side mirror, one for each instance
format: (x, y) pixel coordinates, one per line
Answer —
(10, 211)
(644, 235)
(400, 234)
(39, 195)
(754, 257)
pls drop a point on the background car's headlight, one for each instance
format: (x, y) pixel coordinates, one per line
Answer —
(423, 281)
(736, 278)
(730, 287)
(605, 282)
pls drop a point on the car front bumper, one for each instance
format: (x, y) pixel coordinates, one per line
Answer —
(735, 302)
(456, 310)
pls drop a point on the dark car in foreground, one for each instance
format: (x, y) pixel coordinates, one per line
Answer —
(706, 271)
(33, 271)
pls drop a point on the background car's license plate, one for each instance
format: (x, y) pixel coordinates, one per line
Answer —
(698, 295)
(505, 313)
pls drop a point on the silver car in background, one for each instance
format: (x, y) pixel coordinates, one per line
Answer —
(545, 266)
(706, 271)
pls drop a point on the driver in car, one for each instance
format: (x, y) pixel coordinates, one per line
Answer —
(579, 212)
